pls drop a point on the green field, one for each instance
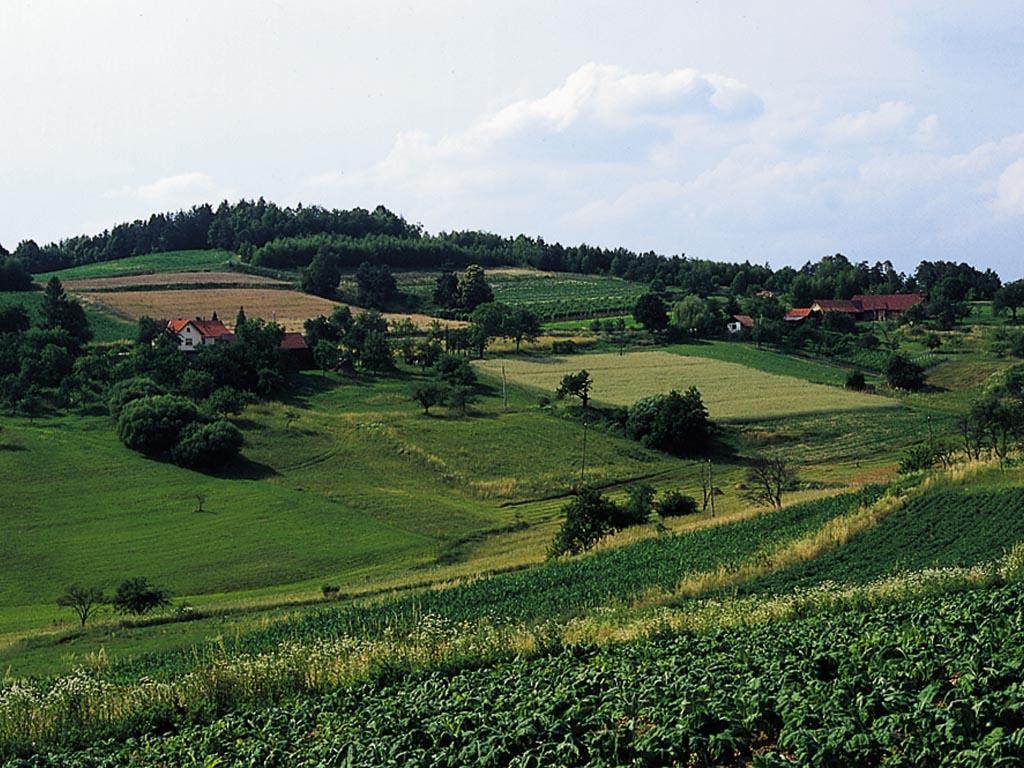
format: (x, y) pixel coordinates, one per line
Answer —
(550, 295)
(105, 326)
(731, 391)
(171, 261)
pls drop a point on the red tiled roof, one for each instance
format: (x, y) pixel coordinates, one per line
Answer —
(293, 341)
(745, 320)
(207, 328)
(837, 305)
(801, 313)
(898, 302)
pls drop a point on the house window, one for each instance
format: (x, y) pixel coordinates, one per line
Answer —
(188, 342)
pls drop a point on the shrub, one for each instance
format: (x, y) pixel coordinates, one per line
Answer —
(208, 446)
(127, 390)
(675, 423)
(223, 401)
(455, 370)
(153, 425)
(637, 509)
(855, 381)
(564, 347)
(675, 504)
(903, 373)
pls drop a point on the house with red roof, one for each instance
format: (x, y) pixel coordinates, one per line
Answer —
(295, 346)
(740, 323)
(882, 306)
(196, 333)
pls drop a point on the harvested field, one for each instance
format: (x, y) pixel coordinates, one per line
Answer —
(289, 308)
(172, 280)
(730, 391)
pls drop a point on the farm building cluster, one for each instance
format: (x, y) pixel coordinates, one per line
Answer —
(865, 307)
(199, 332)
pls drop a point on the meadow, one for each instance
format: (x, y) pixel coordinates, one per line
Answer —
(170, 261)
(730, 391)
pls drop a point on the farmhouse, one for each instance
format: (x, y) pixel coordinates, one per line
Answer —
(883, 306)
(295, 346)
(193, 334)
(740, 323)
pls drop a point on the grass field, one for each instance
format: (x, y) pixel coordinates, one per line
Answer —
(181, 280)
(730, 391)
(105, 325)
(171, 261)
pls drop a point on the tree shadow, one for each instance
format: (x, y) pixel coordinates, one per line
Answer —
(244, 468)
(12, 447)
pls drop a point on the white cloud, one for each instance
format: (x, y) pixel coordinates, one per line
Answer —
(889, 118)
(174, 192)
(928, 134)
(1010, 190)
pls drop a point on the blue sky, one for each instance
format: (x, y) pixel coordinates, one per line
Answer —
(774, 132)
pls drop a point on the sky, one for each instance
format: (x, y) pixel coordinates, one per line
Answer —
(771, 132)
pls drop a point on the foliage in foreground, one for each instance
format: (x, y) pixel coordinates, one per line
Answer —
(930, 681)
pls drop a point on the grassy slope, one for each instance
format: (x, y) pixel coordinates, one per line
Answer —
(105, 326)
(730, 390)
(171, 261)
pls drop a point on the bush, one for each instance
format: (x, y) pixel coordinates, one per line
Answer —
(675, 504)
(223, 401)
(127, 390)
(564, 347)
(903, 373)
(208, 446)
(637, 509)
(138, 597)
(153, 425)
(855, 381)
(675, 423)
(455, 370)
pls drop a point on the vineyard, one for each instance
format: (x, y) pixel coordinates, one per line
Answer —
(549, 295)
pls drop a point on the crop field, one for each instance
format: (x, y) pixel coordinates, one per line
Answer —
(184, 280)
(934, 681)
(170, 261)
(288, 308)
(549, 295)
(947, 528)
(730, 391)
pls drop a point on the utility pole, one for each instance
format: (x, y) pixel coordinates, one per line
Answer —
(583, 463)
(504, 388)
(711, 485)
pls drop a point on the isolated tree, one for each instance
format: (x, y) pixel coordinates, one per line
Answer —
(650, 312)
(153, 425)
(675, 423)
(588, 519)
(767, 480)
(575, 385)
(84, 601)
(1009, 297)
(240, 318)
(855, 381)
(375, 285)
(322, 276)
(473, 288)
(428, 395)
(138, 597)
(455, 370)
(522, 325)
(637, 509)
(460, 398)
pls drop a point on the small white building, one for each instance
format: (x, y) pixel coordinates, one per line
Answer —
(193, 334)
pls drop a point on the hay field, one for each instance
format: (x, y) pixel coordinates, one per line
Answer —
(170, 279)
(289, 308)
(730, 391)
